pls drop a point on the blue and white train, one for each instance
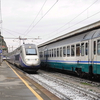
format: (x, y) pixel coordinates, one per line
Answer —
(77, 51)
(26, 57)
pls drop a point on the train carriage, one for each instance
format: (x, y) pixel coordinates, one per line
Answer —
(77, 51)
(25, 57)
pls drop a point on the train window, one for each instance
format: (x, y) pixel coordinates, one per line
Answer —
(44, 53)
(94, 47)
(21, 51)
(68, 50)
(40, 54)
(16, 57)
(50, 53)
(54, 52)
(86, 48)
(77, 49)
(98, 47)
(61, 52)
(82, 49)
(64, 51)
(31, 51)
(72, 50)
(57, 52)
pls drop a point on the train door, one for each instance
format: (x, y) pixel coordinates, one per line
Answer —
(78, 50)
(84, 63)
(94, 55)
(46, 55)
(82, 57)
(84, 51)
(46, 58)
(98, 56)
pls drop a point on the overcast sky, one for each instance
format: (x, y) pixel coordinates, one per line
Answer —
(45, 18)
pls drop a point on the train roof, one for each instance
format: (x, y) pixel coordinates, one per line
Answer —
(84, 29)
(27, 45)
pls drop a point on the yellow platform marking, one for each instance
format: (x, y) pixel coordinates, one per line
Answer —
(38, 96)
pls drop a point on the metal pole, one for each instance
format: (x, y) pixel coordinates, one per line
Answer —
(0, 50)
(0, 35)
(0, 53)
(19, 41)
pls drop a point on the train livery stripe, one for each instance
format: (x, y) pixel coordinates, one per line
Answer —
(59, 61)
(33, 91)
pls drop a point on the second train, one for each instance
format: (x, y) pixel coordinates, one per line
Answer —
(77, 51)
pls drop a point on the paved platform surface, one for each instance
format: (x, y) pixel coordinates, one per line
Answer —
(11, 86)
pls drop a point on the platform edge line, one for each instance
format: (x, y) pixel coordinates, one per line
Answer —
(33, 91)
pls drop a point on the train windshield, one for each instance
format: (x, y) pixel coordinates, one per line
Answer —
(31, 51)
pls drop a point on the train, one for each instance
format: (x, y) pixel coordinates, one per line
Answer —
(25, 57)
(77, 51)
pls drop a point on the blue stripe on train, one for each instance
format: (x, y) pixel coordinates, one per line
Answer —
(21, 63)
(71, 61)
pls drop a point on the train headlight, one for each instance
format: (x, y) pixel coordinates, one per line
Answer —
(27, 59)
(36, 59)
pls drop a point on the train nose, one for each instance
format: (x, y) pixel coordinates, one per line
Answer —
(35, 61)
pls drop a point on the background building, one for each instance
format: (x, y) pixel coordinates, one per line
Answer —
(3, 45)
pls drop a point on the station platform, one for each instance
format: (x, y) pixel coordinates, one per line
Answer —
(12, 87)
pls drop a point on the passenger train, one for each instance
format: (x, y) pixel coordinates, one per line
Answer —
(77, 51)
(26, 57)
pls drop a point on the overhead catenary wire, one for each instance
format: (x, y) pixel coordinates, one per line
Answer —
(35, 17)
(10, 33)
(76, 24)
(72, 19)
(8, 30)
(15, 36)
(42, 17)
(39, 19)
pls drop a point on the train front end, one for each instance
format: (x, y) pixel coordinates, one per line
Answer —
(30, 57)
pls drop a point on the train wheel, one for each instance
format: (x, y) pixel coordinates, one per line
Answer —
(79, 72)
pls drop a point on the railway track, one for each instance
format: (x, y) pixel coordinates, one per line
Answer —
(74, 78)
(58, 85)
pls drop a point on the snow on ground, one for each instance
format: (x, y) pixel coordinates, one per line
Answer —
(60, 90)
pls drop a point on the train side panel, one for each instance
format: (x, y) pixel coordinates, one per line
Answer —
(80, 54)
